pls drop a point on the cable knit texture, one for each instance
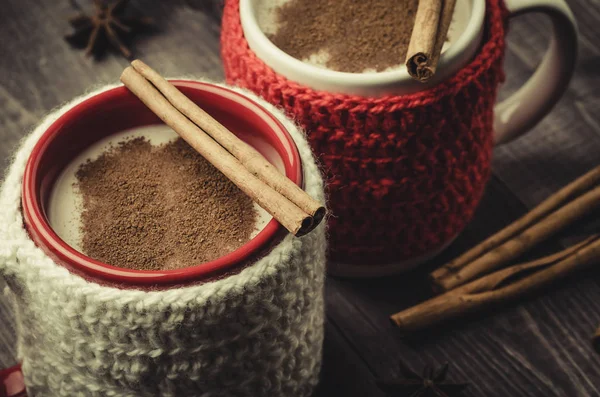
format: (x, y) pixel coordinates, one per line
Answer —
(405, 173)
(255, 333)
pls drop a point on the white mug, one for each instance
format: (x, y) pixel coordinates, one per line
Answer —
(514, 116)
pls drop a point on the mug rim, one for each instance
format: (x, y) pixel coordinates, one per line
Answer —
(44, 236)
(396, 82)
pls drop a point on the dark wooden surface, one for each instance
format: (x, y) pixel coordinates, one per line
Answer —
(539, 347)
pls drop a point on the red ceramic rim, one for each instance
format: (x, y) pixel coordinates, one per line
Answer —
(12, 383)
(44, 236)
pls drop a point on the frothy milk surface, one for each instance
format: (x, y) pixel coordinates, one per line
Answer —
(267, 19)
(65, 203)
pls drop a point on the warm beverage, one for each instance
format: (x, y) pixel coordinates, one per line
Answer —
(144, 199)
(343, 35)
(112, 330)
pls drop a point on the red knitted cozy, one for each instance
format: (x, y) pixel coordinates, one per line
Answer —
(405, 172)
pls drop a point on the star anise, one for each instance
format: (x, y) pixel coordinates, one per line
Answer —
(429, 384)
(108, 25)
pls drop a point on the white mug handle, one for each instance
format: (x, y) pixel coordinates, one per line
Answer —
(525, 108)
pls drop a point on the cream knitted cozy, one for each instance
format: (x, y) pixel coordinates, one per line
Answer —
(255, 333)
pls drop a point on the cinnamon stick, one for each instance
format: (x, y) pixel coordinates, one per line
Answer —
(288, 214)
(496, 249)
(246, 154)
(488, 291)
(432, 22)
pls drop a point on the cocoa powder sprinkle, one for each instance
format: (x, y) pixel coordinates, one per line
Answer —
(352, 35)
(159, 207)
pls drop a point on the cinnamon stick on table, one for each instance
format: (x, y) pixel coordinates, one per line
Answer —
(513, 282)
(500, 287)
(432, 22)
(290, 215)
(523, 233)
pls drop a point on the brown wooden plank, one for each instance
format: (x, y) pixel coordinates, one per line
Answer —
(344, 373)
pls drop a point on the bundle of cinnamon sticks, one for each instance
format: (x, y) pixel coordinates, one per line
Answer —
(432, 22)
(472, 282)
(241, 163)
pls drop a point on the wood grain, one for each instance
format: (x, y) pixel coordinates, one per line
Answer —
(537, 348)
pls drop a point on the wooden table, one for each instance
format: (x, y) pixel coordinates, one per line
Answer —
(539, 347)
